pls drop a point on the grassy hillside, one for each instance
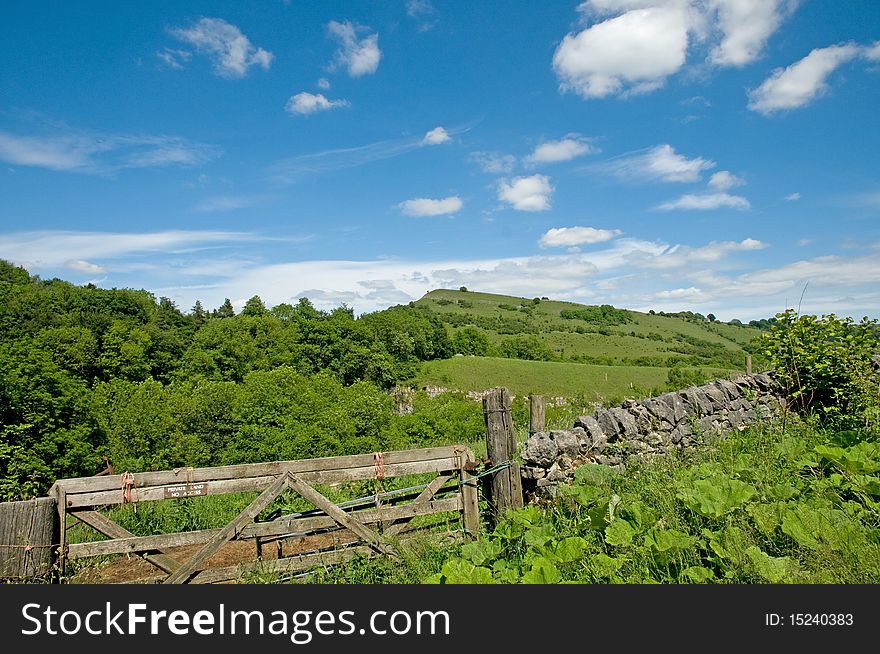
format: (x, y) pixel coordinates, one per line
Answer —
(575, 350)
(578, 333)
(552, 378)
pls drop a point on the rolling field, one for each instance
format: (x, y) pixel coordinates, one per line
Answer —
(551, 378)
(626, 338)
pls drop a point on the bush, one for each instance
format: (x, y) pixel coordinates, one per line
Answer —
(825, 366)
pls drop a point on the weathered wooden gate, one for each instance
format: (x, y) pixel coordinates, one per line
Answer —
(454, 483)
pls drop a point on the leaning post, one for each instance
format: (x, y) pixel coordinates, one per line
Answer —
(506, 483)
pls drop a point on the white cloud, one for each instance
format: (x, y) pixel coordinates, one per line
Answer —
(430, 207)
(706, 202)
(493, 162)
(78, 265)
(101, 153)
(681, 256)
(308, 103)
(802, 82)
(660, 163)
(746, 25)
(633, 46)
(526, 193)
(573, 236)
(872, 52)
(47, 249)
(358, 56)
(724, 180)
(231, 51)
(436, 136)
(636, 51)
(324, 84)
(417, 8)
(565, 149)
(792, 197)
(174, 58)
(803, 242)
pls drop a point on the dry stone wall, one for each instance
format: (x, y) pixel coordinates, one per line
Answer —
(646, 428)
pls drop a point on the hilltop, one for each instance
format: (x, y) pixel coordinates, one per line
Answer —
(621, 347)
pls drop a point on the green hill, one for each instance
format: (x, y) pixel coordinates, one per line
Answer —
(626, 350)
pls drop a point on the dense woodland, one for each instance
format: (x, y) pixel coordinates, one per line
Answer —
(88, 373)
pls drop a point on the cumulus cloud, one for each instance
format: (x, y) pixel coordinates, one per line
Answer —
(430, 207)
(308, 103)
(324, 84)
(102, 153)
(526, 193)
(660, 163)
(802, 82)
(574, 236)
(359, 56)
(637, 50)
(633, 46)
(565, 149)
(706, 202)
(746, 25)
(231, 52)
(724, 180)
(436, 136)
(493, 162)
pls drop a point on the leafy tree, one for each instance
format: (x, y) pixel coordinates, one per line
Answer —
(254, 307)
(470, 341)
(225, 310)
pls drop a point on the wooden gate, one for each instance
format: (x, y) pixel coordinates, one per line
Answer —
(454, 489)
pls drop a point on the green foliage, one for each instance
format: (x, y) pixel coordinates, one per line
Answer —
(824, 366)
(604, 315)
(716, 497)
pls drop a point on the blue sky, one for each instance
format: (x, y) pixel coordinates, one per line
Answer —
(708, 155)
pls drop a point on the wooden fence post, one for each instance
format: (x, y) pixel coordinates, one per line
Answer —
(536, 414)
(506, 484)
(748, 364)
(28, 534)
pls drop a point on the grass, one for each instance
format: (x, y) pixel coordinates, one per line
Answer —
(644, 340)
(768, 505)
(550, 378)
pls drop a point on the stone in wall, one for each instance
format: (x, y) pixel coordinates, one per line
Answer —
(647, 428)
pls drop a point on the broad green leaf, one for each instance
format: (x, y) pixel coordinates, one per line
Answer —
(481, 551)
(771, 568)
(767, 517)
(538, 536)
(543, 572)
(668, 541)
(605, 566)
(716, 497)
(696, 574)
(640, 515)
(457, 571)
(620, 533)
(569, 549)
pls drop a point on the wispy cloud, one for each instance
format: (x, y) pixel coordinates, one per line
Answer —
(660, 163)
(294, 169)
(230, 51)
(493, 162)
(222, 203)
(802, 82)
(101, 153)
(565, 149)
(706, 202)
(359, 56)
